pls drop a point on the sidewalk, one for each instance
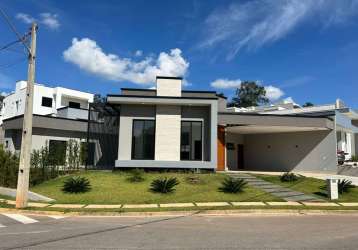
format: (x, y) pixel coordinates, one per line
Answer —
(191, 205)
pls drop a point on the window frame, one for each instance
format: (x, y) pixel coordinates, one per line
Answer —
(42, 101)
(202, 138)
(133, 144)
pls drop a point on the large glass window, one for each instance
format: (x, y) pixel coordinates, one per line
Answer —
(191, 147)
(143, 139)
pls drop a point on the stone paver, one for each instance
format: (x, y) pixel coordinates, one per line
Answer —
(212, 204)
(285, 194)
(68, 205)
(36, 204)
(320, 204)
(103, 206)
(177, 205)
(274, 189)
(243, 203)
(349, 204)
(140, 206)
(284, 203)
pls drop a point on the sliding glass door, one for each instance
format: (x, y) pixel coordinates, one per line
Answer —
(191, 147)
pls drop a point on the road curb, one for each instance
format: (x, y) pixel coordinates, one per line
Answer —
(213, 212)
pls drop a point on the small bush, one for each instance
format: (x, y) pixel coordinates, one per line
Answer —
(164, 185)
(193, 179)
(354, 158)
(289, 177)
(232, 185)
(344, 186)
(136, 175)
(76, 184)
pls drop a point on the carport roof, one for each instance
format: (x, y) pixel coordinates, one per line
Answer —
(265, 123)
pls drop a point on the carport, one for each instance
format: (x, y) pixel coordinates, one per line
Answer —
(260, 142)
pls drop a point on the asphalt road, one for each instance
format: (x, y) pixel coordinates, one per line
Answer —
(181, 232)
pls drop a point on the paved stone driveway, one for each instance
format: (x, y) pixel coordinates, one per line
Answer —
(276, 190)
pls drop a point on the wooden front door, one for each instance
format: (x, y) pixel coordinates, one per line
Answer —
(221, 148)
(240, 156)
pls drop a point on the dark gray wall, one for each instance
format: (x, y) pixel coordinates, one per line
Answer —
(301, 151)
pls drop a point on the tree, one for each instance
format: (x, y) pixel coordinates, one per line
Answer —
(98, 98)
(249, 94)
(307, 104)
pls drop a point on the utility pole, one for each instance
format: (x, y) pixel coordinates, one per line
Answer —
(26, 141)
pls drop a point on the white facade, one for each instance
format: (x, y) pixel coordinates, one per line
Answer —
(47, 100)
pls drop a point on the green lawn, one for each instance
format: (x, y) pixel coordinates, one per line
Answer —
(311, 186)
(113, 188)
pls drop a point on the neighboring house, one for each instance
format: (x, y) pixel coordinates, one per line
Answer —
(59, 114)
(172, 128)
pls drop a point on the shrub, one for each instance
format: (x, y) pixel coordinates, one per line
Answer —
(76, 184)
(136, 175)
(232, 185)
(9, 167)
(289, 177)
(193, 179)
(164, 185)
(354, 158)
(344, 186)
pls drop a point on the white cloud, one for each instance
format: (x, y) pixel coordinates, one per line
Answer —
(25, 18)
(48, 19)
(252, 24)
(86, 54)
(273, 93)
(226, 84)
(138, 53)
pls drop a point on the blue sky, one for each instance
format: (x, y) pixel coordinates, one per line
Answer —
(300, 49)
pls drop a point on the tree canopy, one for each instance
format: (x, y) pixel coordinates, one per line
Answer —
(249, 94)
(308, 104)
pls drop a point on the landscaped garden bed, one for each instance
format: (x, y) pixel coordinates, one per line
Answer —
(311, 186)
(117, 188)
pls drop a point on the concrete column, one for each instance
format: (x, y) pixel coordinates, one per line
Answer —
(213, 134)
(167, 133)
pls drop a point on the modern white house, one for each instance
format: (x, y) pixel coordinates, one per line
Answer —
(168, 127)
(59, 113)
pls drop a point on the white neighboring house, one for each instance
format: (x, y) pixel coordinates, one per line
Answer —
(47, 100)
(59, 114)
(346, 120)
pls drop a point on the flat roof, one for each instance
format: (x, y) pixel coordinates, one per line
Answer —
(164, 97)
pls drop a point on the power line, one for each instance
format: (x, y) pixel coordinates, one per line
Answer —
(15, 62)
(7, 46)
(12, 27)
